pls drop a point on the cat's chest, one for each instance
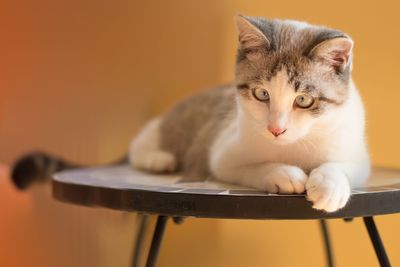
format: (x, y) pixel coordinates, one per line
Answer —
(306, 155)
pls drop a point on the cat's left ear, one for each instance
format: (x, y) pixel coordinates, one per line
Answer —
(336, 52)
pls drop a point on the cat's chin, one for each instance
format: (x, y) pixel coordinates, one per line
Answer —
(280, 140)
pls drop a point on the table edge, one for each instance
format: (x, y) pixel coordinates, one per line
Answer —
(220, 206)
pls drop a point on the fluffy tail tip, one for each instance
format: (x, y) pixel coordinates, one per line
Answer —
(31, 168)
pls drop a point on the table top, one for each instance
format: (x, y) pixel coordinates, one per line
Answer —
(124, 188)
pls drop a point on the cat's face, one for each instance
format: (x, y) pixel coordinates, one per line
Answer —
(290, 76)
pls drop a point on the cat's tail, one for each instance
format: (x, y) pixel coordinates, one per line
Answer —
(39, 167)
(36, 167)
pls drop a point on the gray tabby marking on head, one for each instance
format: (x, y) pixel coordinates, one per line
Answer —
(304, 51)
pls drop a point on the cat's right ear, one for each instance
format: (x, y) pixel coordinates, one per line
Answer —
(250, 37)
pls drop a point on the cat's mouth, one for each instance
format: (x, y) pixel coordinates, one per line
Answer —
(282, 139)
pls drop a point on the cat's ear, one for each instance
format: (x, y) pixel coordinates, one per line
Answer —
(336, 52)
(250, 37)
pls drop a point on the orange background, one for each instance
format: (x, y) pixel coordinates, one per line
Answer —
(78, 79)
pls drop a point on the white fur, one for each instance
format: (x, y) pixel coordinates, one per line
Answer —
(145, 152)
(331, 149)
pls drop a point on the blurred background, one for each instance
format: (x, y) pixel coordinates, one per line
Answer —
(79, 78)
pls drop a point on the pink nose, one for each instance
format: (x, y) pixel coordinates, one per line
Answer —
(276, 131)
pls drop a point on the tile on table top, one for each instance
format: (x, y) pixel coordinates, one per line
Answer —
(203, 191)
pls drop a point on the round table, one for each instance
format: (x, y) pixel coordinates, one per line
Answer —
(171, 196)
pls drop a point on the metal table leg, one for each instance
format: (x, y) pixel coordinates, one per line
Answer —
(156, 242)
(327, 243)
(140, 236)
(376, 241)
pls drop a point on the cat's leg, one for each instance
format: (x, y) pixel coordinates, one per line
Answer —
(329, 185)
(145, 152)
(269, 177)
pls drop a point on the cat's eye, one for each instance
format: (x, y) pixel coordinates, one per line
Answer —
(261, 94)
(304, 101)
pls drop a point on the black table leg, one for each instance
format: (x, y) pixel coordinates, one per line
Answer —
(376, 241)
(327, 243)
(140, 236)
(156, 242)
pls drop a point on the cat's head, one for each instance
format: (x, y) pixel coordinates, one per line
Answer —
(290, 75)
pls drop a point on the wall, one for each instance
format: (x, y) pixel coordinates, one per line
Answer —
(78, 78)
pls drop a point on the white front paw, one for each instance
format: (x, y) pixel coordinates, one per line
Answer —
(328, 188)
(285, 179)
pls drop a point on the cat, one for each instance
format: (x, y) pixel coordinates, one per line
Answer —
(292, 122)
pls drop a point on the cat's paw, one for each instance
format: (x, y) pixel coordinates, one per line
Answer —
(154, 161)
(285, 179)
(328, 188)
